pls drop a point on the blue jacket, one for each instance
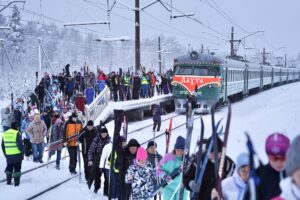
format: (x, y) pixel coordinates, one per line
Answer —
(89, 93)
(70, 86)
(157, 112)
(18, 157)
(24, 125)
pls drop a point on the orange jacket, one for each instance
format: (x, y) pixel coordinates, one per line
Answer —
(72, 128)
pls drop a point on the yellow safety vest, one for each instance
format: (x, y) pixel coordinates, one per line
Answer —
(126, 81)
(115, 158)
(144, 81)
(10, 142)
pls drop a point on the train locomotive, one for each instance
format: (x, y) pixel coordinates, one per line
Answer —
(212, 79)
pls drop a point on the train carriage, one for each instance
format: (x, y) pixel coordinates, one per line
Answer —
(212, 79)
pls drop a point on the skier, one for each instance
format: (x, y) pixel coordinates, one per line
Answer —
(26, 138)
(136, 86)
(37, 131)
(127, 86)
(56, 134)
(144, 86)
(168, 164)
(72, 127)
(6, 118)
(69, 87)
(209, 181)
(235, 187)
(272, 173)
(125, 159)
(13, 151)
(141, 176)
(157, 112)
(105, 164)
(290, 186)
(153, 157)
(86, 138)
(89, 94)
(79, 102)
(94, 156)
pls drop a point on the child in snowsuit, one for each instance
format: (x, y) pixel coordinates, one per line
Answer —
(140, 175)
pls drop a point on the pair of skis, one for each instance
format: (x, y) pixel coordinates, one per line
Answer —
(219, 168)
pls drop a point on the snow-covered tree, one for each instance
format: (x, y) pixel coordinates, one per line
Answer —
(15, 36)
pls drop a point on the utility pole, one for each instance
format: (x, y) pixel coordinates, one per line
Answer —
(137, 36)
(40, 57)
(159, 55)
(233, 48)
(264, 57)
(201, 49)
(285, 61)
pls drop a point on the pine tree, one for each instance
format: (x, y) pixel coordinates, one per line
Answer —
(15, 36)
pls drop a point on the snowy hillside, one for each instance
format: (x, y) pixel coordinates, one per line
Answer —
(274, 110)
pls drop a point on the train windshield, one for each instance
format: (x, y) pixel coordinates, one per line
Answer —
(183, 70)
(207, 71)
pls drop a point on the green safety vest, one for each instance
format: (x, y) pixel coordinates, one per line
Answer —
(10, 142)
(126, 81)
(115, 158)
(144, 81)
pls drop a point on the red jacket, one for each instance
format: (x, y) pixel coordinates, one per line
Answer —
(79, 103)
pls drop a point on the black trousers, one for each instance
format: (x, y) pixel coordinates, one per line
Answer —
(28, 148)
(156, 123)
(73, 158)
(13, 167)
(87, 169)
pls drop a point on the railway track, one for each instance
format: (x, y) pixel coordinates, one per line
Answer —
(35, 168)
(52, 187)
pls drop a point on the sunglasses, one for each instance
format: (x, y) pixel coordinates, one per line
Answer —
(277, 158)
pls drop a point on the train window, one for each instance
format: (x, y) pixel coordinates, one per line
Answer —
(183, 70)
(207, 71)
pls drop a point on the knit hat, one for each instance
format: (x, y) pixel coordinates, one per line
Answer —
(277, 144)
(90, 123)
(133, 143)
(180, 143)
(150, 144)
(103, 130)
(219, 141)
(14, 125)
(74, 115)
(293, 159)
(242, 160)
(141, 154)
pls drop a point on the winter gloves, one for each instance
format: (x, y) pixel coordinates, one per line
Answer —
(193, 186)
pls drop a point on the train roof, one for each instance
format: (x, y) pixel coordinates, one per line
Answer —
(200, 59)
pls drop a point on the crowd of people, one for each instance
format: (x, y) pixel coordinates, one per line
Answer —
(136, 171)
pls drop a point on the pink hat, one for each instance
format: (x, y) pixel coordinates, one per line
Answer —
(141, 154)
(277, 144)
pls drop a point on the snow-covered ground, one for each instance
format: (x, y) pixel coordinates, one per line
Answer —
(275, 110)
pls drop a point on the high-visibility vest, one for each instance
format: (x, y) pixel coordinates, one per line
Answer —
(144, 81)
(126, 81)
(10, 142)
(115, 158)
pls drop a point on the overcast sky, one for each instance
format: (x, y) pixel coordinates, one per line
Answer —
(277, 18)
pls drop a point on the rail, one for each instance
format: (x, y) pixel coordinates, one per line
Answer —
(98, 105)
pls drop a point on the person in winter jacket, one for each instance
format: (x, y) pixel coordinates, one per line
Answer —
(71, 128)
(19, 111)
(86, 138)
(6, 118)
(13, 151)
(141, 176)
(235, 187)
(105, 164)
(209, 181)
(167, 165)
(157, 112)
(144, 86)
(89, 94)
(153, 157)
(127, 86)
(94, 156)
(79, 102)
(272, 173)
(37, 131)
(56, 134)
(125, 159)
(26, 138)
(290, 186)
(69, 88)
(136, 87)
